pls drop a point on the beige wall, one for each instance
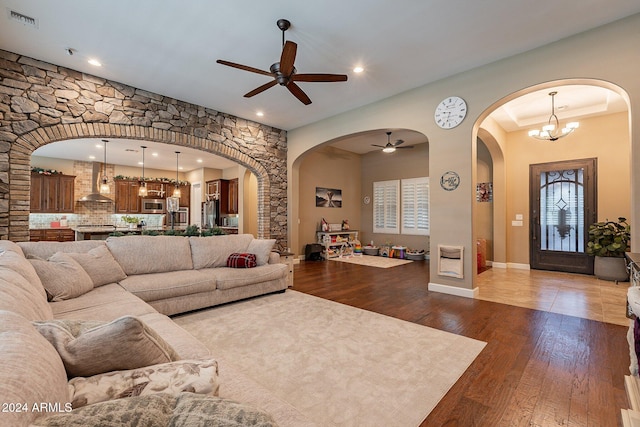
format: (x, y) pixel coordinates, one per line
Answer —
(330, 168)
(378, 166)
(605, 138)
(607, 56)
(249, 197)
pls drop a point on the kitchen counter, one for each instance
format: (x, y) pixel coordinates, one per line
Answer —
(101, 232)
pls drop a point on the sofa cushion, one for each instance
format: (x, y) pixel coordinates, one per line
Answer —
(62, 277)
(152, 287)
(213, 251)
(194, 376)
(227, 278)
(20, 288)
(31, 371)
(241, 261)
(90, 348)
(44, 249)
(8, 245)
(151, 254)
(186, 345)
(105, 303)
(261, 248)
(100, 265)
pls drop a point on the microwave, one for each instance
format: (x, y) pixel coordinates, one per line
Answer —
(153, 206)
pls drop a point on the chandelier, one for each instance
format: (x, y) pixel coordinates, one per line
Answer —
(551, 131)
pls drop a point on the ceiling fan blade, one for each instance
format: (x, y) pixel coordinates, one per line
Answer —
(398, 142)
(298, 93)
(260, 89)
(319, 78)
(400, 148)
(243, 67)
(376, 145)
(288, 57)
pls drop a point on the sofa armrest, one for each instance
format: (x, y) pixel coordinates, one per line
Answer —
(274, 258)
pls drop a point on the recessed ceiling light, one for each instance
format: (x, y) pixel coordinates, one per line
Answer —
(95, 62)
(259, 114)
(92, 157)
(154, 154)
(358, 69)
(180, 168)
(199, 160)
(98, 145)
(140, 163)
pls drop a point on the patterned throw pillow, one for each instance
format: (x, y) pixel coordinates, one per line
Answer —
(89, 347)
(241, 260)
(195, 376)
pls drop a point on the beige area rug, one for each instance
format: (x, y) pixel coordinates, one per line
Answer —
(373, 261)
(337, 365)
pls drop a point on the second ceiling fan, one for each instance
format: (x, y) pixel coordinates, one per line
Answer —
(284, 72)
(391, 147)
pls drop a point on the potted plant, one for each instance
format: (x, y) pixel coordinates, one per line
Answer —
(131, 220)
(608, 241)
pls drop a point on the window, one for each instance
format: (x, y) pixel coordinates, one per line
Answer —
(386, 207)
(415, 206)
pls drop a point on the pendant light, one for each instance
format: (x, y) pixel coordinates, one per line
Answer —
(142, 191)
(104, 182)
(551, 131)
(176, 191)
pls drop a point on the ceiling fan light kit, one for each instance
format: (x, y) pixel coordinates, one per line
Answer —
(284, 72)
(551, 131)
(390, 147)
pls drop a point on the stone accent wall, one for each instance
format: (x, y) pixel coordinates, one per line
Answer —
(41, 103)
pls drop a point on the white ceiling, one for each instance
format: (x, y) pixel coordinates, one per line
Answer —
(171, 47)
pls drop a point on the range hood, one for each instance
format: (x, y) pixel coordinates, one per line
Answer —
(95, 195)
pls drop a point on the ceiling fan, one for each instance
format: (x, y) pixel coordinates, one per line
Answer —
(284, 72)
(389, 147)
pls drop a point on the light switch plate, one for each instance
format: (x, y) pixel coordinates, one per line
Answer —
(516, 223)
(519, 217)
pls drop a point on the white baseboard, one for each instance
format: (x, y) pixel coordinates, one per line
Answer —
(514, 265)
(518, 266)
(453, 290)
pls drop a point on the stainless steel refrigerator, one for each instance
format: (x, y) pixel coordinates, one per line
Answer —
(210, 214)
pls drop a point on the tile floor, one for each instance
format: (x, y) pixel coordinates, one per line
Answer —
(571, 294)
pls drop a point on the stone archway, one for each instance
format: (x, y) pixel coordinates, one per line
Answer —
(42, 103)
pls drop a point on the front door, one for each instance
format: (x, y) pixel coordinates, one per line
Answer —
(562, 206)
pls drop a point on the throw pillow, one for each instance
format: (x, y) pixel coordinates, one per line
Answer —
(62, 277)
(151, 410)
(101, 266)
(90, 348)
(195, 410)
(238, 260)
(194, 376)
(262, 249)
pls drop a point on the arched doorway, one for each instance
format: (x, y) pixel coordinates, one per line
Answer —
(605, 120)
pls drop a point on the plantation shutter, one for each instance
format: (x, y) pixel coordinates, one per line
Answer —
(415, 206)
(386, 207)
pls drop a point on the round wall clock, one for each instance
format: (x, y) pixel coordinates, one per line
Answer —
(450, 112)
(449, 180)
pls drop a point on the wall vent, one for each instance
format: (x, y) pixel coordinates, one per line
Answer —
(23, 19)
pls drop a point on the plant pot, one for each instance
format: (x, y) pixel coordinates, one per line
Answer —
(610, 268)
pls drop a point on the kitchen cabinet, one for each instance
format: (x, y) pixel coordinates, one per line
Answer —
(233, 196)
(226, 192)
(156, 190)
(185, 193)
(52, 235)
(52, 193)
(126, 197)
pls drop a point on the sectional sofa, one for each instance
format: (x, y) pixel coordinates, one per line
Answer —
(86, 337)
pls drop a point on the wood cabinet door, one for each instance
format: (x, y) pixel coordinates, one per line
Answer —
(224, 196)
(37, 182)
(233, 196)
(66, 199)
(156, 190)
(50, 193)
(127, 199)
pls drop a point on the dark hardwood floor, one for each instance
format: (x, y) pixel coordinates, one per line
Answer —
(538, 368)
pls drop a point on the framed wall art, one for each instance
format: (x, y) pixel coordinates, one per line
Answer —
(328, 197)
